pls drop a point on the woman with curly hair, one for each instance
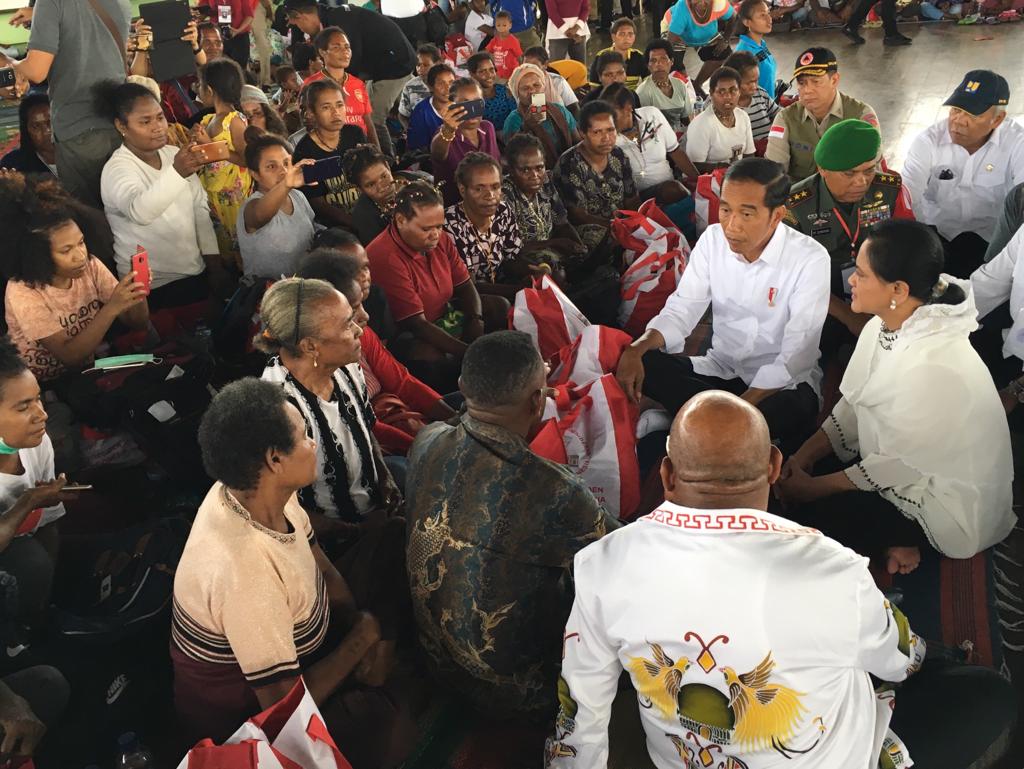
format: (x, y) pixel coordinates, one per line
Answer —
(60, 301)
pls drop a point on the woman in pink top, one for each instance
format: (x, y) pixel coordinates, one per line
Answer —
(60, 301)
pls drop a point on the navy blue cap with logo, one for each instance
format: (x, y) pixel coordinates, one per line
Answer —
(980, 90)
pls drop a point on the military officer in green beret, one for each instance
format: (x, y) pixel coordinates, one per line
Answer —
(838, 205)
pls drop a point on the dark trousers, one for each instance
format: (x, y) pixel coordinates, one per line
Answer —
(964, 254)
(939, 736)
(888, 13)
(605, 7)
(863, 521)
(791, 414)
(238, 48)
(80, 162)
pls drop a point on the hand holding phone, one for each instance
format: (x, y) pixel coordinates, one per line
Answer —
(212, 152)
(539, 106)
(140, 266)
(7, 77)
(474, 108)
(322, 170)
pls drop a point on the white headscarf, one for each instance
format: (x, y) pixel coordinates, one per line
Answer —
(528, 69)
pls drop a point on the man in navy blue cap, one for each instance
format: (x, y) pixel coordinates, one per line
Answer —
(959, 170)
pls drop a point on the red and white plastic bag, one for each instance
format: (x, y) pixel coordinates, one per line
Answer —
(594, 353)
(592, 430)
(548, 315)
(706, 199)
(657, 254)
(290, 734)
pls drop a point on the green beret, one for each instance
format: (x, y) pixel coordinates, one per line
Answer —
(846, 145)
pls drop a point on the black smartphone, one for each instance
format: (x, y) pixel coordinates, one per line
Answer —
(474, 109)
(7, 79)
(322, 170)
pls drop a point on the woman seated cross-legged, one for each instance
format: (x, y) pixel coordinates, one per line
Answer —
(257, 603)
(920, 419)
(429, 290)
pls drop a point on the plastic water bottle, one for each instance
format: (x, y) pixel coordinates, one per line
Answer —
(698, 106)
(133, 754)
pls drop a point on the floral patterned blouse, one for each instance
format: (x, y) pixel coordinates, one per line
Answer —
(599, 194)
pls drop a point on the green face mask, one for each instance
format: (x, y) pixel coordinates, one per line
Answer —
(119, 361)
(5, 449)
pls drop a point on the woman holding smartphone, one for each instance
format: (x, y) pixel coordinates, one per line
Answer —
(539, 112)
(459, 135)
(329, 138)
(275, 225)
(152, 198)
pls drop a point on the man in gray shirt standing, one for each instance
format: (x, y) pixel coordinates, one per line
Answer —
(73, 48)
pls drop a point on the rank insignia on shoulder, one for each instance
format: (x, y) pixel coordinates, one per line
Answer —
(890, 179)
(796, 197)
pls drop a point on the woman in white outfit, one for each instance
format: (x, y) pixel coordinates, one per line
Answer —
(920, 424)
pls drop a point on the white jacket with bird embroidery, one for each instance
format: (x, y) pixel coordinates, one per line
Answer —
(748, 638)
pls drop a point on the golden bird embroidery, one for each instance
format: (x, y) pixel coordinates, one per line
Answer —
(660, 679)
(766, 714)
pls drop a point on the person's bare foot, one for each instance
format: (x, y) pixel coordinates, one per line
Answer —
(902, 560)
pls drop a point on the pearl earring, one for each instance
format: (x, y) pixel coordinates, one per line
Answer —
(892, 305)
(315, 364)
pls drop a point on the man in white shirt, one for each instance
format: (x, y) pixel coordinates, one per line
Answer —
(993, 284)
(750, 641)
(768, 287)
(720, 135)
(960, 170)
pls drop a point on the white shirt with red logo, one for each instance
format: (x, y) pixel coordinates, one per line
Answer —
(768, 314)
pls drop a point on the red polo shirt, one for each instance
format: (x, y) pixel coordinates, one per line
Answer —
(415, 282)
(358, 110)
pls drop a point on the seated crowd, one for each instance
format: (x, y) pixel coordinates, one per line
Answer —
(332, 242)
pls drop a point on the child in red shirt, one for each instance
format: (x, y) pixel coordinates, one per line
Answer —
(504, 46)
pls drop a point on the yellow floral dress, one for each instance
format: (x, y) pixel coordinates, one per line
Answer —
(227, 187)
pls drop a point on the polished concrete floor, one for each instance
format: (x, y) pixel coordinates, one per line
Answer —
(905, 85)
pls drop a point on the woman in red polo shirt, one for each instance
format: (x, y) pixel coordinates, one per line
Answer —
(336, 51)
(434, 302)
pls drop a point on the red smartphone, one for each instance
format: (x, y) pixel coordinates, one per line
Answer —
(140, 264)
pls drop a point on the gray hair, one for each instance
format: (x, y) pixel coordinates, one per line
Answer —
(288, 314)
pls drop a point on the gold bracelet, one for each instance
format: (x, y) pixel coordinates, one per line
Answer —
(445, 137)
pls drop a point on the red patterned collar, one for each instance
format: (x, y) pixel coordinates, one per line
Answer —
(724, 521)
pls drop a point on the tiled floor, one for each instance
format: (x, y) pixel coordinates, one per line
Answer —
(907, 85)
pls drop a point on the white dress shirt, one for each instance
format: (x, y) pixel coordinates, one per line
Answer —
(1000, 280)
(691, 603)
(768, 314)
(972, 199)
(899, 409)
(159, 210)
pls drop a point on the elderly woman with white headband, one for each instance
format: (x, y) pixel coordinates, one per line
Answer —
(539, 111)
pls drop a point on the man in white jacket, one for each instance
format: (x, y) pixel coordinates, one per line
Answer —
(750, 640)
